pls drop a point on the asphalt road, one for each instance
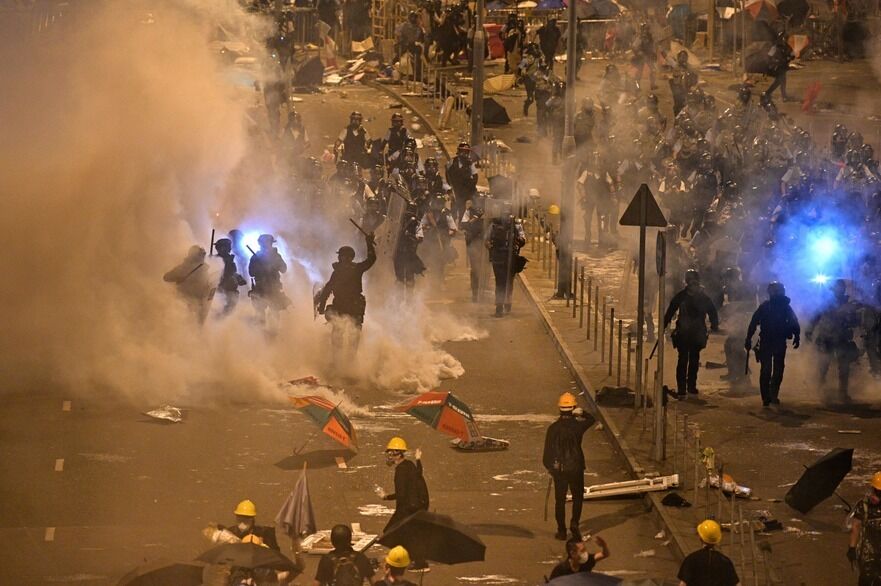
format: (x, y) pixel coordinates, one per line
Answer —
(92, 488)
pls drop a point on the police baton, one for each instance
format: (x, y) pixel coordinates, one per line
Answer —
(360, 229)
(548, 495)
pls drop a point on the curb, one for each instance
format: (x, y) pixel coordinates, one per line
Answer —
(619, 444)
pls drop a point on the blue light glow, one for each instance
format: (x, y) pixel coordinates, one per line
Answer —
(825, 247)
(820, 279)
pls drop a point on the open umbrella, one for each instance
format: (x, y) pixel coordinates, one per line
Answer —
(328, 416)
(762, 9)
(444, 412)
(247, 555)
(437, 538)
(161, 572)
(820, 480)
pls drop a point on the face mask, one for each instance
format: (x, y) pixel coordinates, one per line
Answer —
(244, 526)
(583, 558)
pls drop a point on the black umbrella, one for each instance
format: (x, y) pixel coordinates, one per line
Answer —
(161, 572)
(247, 555)
(437, 538)
(820, 480)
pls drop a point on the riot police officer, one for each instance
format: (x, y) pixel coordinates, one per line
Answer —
(690, 336)
(462, 177)
(777, 323)
(831, 330)
(506, 237)
(865, 535)
(354, 141)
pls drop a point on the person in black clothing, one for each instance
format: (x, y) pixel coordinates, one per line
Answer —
(411, 494)
(266, 267)
(343, 565)
(777, 323)
(230, 279)
(548, 39)
(354, 141)
(395, 140)
(564, 460)
(345, 284)
(462, 177)
(246, 524)
(690, 335)
(578, 559)
(506, 237)
(474, 227)
(781, 55)
(706, 566)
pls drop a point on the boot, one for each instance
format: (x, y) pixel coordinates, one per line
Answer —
(507, 308)
(499, 310)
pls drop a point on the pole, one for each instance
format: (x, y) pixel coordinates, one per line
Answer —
(620, 337)
(660, 447)
(640, 296)
(477, 79)
(567, 199)
(611, 340)
(711, 28)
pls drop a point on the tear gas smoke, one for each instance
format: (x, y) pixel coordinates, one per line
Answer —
(123, 145)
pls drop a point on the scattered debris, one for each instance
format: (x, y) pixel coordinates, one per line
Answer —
(646, 553)
(660, 534)
(674, 499)
(166, 413)
(523, 139)
(319, 542)
(850, 431)
(631, 487)
(375, 511)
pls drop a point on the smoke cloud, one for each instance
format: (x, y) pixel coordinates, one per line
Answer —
(122, 147)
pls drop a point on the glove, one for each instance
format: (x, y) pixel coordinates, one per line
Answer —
(852, 554)
(371, 239)
(578, 412)
(796, 343)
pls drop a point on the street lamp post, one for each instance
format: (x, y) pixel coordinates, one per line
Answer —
(477, 78)
(566, 243)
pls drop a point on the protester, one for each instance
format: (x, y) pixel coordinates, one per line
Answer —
(777, 323)
(563, 458)
(865, 535)
(343, 566)
(578, 559)
(708, 566)
(411, 491)
(396, 563)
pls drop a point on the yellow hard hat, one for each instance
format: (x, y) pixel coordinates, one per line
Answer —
(710, 532)
(567, 402)
(554, 209)
(876, 481)
(398, 557)
(251, 538)
(246, 508)
(397, 443)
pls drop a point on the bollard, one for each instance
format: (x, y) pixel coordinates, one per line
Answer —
(620, 337)
(611, 339)
(603, 332)
(596, 315)
(581, 302)
(675, 433)
(629, 352)
(573, 292)
(645, 402)
(742, 540)
(733, 496)
(553, 268)
(752, 544)
(589, 295)
(697, 449)
(684, 447)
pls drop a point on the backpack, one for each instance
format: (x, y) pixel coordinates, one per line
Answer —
(345, 572)
(422, 499)
(567, 453)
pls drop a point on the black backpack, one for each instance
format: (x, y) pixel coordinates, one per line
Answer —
(345, 572)
(567, 453)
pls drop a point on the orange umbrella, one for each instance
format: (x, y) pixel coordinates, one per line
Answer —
(328, 416)
(444, 412)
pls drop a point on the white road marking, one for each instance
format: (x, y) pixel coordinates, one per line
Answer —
(65, 406)
(49, 535)
(59, 465)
